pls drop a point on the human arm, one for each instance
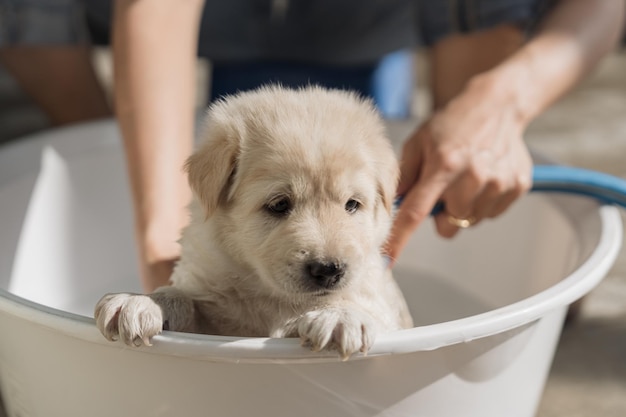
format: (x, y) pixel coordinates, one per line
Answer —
(470, 154)
(60, 79)
(154, 47)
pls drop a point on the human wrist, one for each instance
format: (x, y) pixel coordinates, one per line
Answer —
(508, 87)
(157, 257)
(160, 216)
(158, 241)
(157, 232)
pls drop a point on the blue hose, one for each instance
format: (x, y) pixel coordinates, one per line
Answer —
(603, 187)
(556, 178)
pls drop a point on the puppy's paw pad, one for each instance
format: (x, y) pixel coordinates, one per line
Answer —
(345, 331)
(132, 318)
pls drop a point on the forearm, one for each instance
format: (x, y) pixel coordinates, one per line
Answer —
(74, 96)
(155, 45)
(569, 43)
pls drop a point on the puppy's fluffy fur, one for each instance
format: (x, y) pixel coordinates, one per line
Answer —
(293, 195)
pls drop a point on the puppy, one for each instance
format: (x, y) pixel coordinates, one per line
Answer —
(293, 194)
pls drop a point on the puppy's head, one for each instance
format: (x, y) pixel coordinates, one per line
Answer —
(298, 186)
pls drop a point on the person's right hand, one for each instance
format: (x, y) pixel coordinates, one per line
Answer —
(159, 223)
(157, 274)
(471, 156)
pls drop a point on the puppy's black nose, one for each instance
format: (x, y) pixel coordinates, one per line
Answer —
(325, 274)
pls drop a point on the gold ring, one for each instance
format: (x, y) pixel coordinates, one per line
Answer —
(461, 223)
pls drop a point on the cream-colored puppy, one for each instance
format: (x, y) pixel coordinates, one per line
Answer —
(293, 193)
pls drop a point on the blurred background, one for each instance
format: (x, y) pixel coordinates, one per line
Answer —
(585, 129)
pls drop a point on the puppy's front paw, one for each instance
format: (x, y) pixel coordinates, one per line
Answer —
(338, 329)
(132, 318)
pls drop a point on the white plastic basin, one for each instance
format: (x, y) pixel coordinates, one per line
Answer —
(489, 307)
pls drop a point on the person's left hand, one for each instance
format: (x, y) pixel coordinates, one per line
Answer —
(471, 156)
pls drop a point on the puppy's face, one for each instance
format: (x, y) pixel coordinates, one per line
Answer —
(298, 185)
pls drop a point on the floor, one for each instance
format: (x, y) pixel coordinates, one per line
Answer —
(586, 129)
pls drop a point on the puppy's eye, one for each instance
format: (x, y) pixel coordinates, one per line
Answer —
(352, 206)
(279, 207)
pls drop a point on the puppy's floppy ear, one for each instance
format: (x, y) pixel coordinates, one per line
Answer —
(211, 167)
(388, 176)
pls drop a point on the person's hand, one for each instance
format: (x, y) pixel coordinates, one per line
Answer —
(157, 274)
(158, 229)
(471, 156)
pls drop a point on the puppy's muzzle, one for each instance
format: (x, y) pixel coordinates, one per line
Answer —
(325, 274)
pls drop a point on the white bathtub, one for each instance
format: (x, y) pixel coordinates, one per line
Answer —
(489, 307)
